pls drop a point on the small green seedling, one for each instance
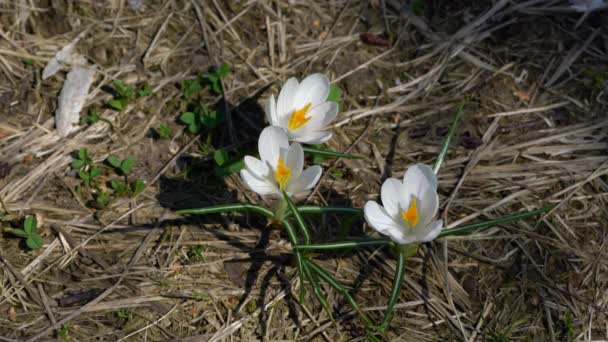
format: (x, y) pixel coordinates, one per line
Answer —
(124, 94)
(64, 333)
(138, 186)
(88, 176)
(123, 313)
(215, 78)
(196, 252)
(29, 233)
(91, 118)
(118, 186)
(87, 172)
(221, 157)
(103, 198)
(145, 90)
(191, 88)
(123, 167)
(83, 159)
(224, 165)
(201, 116)
(164, 131)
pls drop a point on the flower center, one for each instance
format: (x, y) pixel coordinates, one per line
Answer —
(411, 214)
(282, 173)
(298, 118)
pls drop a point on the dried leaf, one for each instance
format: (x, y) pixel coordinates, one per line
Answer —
(374, 39)
(72, 99)
(12, 314)
(522, 95)
(63, 58)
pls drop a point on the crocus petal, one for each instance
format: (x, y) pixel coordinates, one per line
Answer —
(272, 141)
(256, 167)
(285, 103)
(307, 180)
(271, 111)
(314, 89)
(431, 231)
(312, 138)
(391, 192)
(294, 160)
(261, 186)
(331, 111)
(420, 174)
(319, 117)
(377, 217)
(399, 236)
(427, 206)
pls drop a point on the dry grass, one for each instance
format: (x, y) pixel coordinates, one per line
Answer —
(534, 132)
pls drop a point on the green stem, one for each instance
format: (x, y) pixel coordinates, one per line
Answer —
(318, 292)
(225, 208)
(336, 285)
(329, 153)
(487, 224)
(299, 259)
(397, 283)
(313, 209)
(298, 217)
(345, 244)
(448, 139)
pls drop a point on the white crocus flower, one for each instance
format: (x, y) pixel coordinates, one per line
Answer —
(409, 207)
(280, 167)
(302, 109)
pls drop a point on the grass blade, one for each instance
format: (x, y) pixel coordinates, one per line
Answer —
(298, 217)
(396, 288)
(329, 153)
(448, 139)
(344, 244)
(487, 224)
(226, 208)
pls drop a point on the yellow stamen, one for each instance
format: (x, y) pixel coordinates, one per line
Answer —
(282, 173)
(411, 214)
(298, 118)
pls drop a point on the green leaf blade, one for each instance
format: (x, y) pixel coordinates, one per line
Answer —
(20, 233)
(298, 217)
(138, 186)
(34, 241)
(187, 118)
(127, 165)
(77, 164)
(488, 224)
(446, 143)
(225, 208)
(329, 153)
(113, 161)
(83, 154)
(30, 224)
(221, 157)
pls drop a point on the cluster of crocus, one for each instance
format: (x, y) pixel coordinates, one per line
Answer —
(301, 115)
